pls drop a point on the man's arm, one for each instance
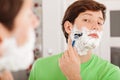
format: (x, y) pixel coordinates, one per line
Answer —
(69, 63)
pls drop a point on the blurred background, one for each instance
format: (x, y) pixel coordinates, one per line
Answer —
(50, 39)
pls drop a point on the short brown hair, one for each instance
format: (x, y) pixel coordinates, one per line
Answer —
(8, 11)
(78, 7)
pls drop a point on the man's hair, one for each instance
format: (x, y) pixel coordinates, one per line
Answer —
(8, 12)
(78, 7)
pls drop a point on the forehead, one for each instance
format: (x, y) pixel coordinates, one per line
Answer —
(94, 14)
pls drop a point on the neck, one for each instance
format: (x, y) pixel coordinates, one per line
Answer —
(86, 57)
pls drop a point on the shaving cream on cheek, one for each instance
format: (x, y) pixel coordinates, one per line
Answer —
(83, 42)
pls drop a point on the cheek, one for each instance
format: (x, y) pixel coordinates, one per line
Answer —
(80, 24)
(30, 21)
(22, 37)
(21, 34)
(88, 27)
(26, 21)
(22, 25)
(101, 28)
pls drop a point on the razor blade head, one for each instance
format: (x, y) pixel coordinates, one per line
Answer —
(76, 36)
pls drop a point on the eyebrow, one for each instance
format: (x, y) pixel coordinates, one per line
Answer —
(92, 15)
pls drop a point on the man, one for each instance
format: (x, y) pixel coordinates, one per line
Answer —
(82, 26)
(17, 37)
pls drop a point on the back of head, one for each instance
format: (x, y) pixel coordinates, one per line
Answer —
(78, 7)
(8, 11)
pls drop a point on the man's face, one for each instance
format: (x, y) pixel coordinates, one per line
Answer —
(89, 25)
(19, 45)
(24, 21)
(92, 20)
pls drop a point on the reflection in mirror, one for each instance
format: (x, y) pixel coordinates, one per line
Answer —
(24, 74)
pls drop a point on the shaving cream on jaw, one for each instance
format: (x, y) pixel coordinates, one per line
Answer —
(84, 40)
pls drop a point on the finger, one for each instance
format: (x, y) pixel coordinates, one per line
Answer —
(61, 63)
(63, 55)
(67, 57)
(66, 54)
(5, 75)
(70, 48)
(0, 75)
(69, 41)
(11, 77)
(8, 75)
(75, 51)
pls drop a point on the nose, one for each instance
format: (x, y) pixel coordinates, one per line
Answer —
(35, 21)
(95, 26)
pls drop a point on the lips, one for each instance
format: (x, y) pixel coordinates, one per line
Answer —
(94, 35)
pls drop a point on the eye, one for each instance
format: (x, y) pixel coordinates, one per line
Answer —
(86, 20)
(100, 23)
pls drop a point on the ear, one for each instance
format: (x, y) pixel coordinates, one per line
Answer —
(68, 27)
